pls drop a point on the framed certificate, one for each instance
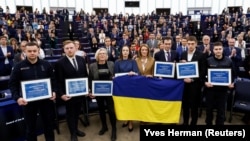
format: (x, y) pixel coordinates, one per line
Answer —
(34, 90)
(187, 70)
(219, 77)
(77, 87)
(164, 69)
(102, 88)
(121, 74)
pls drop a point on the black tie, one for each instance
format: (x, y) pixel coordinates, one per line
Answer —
(74, 62)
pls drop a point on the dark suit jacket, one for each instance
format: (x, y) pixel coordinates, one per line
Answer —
(237, 60)
(17, 58)
(179, 50)
(110, 56)
(10, 58)
(201, 48)
(192, 91)
(93, 71)
(71, 32)
(160, 56)
(65, 70)
(121, 42)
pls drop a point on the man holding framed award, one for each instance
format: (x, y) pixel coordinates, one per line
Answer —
(38, 83)
(70, 71)
(166, 55)
(192, 88)
(220, 73)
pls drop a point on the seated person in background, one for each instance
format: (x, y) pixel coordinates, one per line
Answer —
(52, 40)
(94, 44)
(79, 51)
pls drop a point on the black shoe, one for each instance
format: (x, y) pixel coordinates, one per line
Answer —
(80, 133)
(102, 131)
(73, 138)
(113, 136)
(125, 124)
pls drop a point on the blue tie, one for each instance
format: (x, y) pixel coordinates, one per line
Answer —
(169, 57)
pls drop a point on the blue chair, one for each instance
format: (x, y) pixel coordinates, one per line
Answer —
(241, 98)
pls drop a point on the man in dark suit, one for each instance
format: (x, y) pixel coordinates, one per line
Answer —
(197, 30)
(177, 42)
(65, 13)
(163, 55)
(234, 53)
(21, 55)
(19, 35)
(68, 67)
(6, 57)
(192, 88)
(112, 52)
(133, 51)
(206, 48)
(183, 47)
(71, 31)
(124, 40)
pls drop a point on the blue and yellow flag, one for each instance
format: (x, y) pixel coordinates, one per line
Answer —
(147, 99)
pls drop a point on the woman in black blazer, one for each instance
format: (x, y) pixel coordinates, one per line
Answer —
(103, 70)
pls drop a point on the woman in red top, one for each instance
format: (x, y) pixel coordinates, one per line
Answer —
(146, 35)
(137, 45)
(78, 17)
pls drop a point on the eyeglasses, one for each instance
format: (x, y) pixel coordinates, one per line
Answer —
(102, 53)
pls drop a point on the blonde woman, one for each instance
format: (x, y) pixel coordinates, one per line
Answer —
(145, 62)
(103, 69)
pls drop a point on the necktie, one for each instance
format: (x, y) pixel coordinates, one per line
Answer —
(74, 62)
(108, 50)
(168, 57)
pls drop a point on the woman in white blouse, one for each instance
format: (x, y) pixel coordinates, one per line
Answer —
(240, 43)
(101, 37)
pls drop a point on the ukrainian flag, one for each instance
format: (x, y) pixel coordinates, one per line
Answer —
(147, 99)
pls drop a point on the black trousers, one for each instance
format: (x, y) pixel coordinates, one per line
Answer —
(104, 102)
(191, 102)
(46, 110)
(216, 99)
(73, 109)
(6, 70)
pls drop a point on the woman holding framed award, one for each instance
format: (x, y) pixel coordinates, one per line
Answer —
(102, 70)
(126, 65)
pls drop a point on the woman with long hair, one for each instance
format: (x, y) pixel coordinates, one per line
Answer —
(14, 44)
(145, 61)
(125, 64)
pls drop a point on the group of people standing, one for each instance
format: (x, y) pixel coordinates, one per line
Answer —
(107, 64)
